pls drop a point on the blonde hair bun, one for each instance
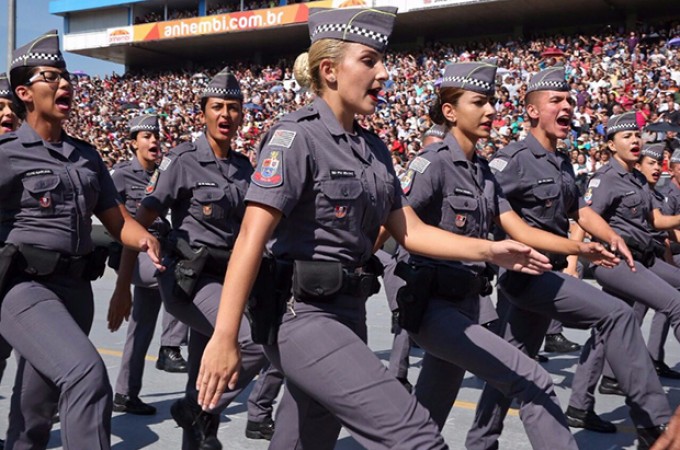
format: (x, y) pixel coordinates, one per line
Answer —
(301, 70)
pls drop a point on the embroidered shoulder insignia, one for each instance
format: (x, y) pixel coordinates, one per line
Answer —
(270, 171)
(419, 164)
(406, 180)
(282, 138)
(498, 165)
(165, 163)
(594, 183)
(152, 182)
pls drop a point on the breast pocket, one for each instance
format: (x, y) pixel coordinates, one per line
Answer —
(547, 196)
(133, 200)
(90, 190)
(339, 203)
(43, 193)
(631, 206)
(462, 215)
(209, 205)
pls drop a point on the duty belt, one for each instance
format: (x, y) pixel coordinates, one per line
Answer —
(453, 284)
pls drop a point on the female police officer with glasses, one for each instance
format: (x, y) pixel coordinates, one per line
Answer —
(322, 189)
(50, 186)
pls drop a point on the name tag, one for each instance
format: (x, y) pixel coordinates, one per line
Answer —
(546, 181)
(461, 191)
(336, 173)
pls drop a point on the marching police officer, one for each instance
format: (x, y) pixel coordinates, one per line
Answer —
(321, 191)
(203, 184)
(131, 178)
(50, 186)
(539, 183)
(650, 163)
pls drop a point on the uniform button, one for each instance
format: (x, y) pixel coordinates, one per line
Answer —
(345, 192)
(372, 198)
(318, 291)
(31, 270)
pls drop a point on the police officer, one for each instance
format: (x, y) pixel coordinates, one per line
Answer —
(8, 122)
(260, 423)
(623, 198)
(204, 184)
(322, 189)
(671, 191)
(650, 163)
(539, 183)
(131, 178)
(453, 189)
(50, 186)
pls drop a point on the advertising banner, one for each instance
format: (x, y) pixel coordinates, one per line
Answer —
(119, 35)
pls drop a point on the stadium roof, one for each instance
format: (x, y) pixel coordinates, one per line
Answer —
(152, 45)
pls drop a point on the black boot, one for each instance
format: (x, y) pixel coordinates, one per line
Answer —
(260, 430)
(664, 371)
(170, 359)
(648, 436)
(578, 418)
(132, 405)
(609, 386)
(199, 425)
(557, 343)
(407, 385)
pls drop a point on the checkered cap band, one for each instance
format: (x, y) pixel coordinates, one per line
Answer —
(5, 93)
(675, 157)
(464, 82)
(654, 151)
(622, 122)
(219, 92)
(549, 85)
(49, 57)
(342, 28)
(142, 127)
(622, 127)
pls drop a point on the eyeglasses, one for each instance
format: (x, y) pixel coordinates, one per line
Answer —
(51, 76)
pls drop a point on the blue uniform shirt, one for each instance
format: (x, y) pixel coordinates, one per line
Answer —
(48, 192)
(335, 188)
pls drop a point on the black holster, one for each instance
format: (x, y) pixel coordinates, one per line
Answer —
(267, 302)
(39, 262)
(188, 268)
(513, 283)
(644, 255)
(675, 248)
(7, 254)
(96, 263)
(413, 298)
(115, 252)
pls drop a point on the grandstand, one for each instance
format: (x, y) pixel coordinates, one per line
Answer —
(169, 33)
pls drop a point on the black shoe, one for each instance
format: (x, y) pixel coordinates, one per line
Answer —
(2, 444)
(557, 343)
(648, 436)
(199, 425)
(664, 371)
(609, 386)
(170, 359)
(132, 405)
(260, 430)
(578, 418)
(541, 358)
(404, 382)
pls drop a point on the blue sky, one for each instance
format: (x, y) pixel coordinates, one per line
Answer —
(33, 19)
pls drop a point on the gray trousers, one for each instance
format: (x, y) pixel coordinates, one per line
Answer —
(47, 323)
(658, 331)
(656, 287)
(145, 308)
(334, 379)
(617, 334)
(265, 391)
(454, 343)
(200, 315)
(401, 344)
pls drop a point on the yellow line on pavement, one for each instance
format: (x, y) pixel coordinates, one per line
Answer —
(108, 352)
(473, 406)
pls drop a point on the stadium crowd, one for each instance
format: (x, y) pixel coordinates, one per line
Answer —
(609, 72)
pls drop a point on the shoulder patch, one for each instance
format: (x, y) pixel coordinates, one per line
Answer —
(282, 138)
(498, 165)
(269, 172)
(588, 197)
(595, 182)
(165, 163)
(406, 180)
(152, 182)
(419, 164)
(111, 172)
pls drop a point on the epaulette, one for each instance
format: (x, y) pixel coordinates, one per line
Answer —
(301, 114)
(182, 148)
(512, 149)
(7, 137)
(121, 165)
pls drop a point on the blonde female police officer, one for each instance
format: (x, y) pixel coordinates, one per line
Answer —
(322, 189)
(50, 186)
(539, 183)
(203, 183)
(131, 178)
